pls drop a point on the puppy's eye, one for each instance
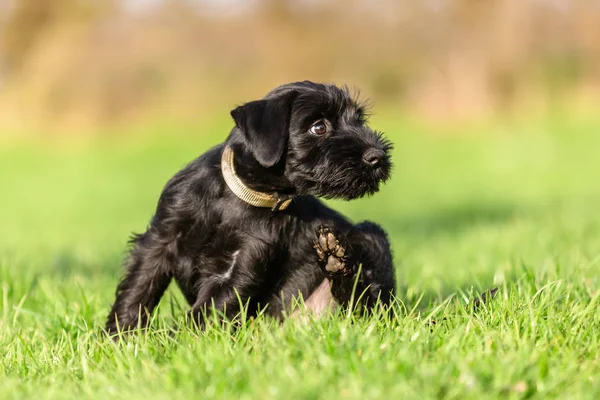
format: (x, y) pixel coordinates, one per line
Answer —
(319, 128)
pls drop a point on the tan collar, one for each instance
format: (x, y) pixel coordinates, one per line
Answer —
(243, 192)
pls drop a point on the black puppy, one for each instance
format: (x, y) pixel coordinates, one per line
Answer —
(242, 219)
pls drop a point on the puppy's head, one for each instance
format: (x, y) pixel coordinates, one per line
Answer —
(317, 134)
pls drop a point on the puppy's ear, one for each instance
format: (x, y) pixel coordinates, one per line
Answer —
(265, 126)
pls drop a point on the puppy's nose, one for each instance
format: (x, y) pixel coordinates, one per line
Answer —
(373, 157)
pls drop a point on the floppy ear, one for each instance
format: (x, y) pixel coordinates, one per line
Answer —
(265, 126)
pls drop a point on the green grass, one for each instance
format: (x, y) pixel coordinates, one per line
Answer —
(516, 207)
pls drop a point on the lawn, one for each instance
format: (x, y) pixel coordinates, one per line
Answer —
(514, 207)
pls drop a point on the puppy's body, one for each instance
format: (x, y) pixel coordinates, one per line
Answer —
(220, 249)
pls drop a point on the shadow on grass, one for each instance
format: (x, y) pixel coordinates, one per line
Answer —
(467, 295)
(64, 264)
(452, 220)
(447, 222)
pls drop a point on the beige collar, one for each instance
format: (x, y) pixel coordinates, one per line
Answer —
(243, 192)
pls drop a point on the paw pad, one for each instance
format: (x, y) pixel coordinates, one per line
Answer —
(330, 251)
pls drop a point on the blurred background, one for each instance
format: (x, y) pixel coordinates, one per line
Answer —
(86, 65)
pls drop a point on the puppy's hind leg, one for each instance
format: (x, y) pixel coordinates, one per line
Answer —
(340, 256)
(375, 255)
(147, 277)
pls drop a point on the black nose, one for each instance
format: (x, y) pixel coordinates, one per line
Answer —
(373, 157)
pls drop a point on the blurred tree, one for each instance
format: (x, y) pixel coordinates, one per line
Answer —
(103, 61)
(28, 21)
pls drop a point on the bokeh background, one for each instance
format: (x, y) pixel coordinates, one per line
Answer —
(84, 65)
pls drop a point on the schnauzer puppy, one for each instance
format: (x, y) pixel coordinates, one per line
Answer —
(242, 224)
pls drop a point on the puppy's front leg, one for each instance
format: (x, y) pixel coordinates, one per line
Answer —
(147, 277)
(339, 256)
(228, 290)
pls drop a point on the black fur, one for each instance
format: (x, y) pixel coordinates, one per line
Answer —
(217, 247)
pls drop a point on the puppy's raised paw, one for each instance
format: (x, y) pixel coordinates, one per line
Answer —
(331, 251)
